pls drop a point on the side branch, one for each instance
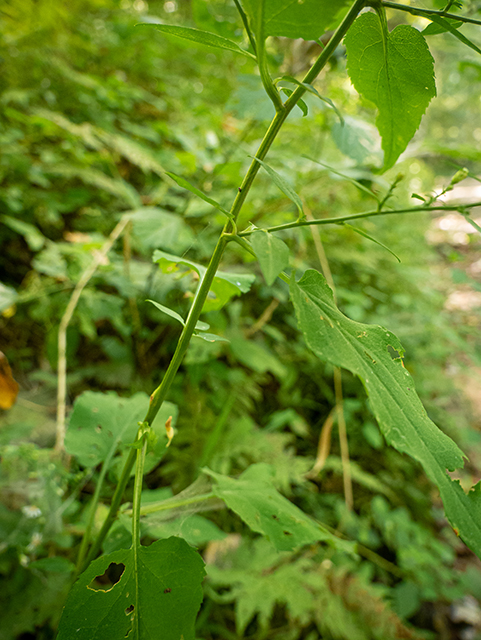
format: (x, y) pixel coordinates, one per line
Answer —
(425, 13)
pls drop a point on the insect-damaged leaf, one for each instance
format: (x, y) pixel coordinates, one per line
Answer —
(395, 71)
(156, 597)
(254, 498)
(363, 350)
(101, 422)
(308, 19)
(272, 253)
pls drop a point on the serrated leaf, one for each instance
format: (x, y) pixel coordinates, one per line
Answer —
(182, 182)
(254, 498)
(101, 422)
(272, 253)
(200, 37)
(395, 71)
(283, 185)
(308, 19)
(363, 350)
(224, 286)
(157, 596)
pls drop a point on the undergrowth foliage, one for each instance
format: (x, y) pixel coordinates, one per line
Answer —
(331, 567)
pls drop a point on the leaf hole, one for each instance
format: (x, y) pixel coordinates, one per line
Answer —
(274, 517)
(168, 590)
(98, 428)
(108, 579)
(287, 533)
(129, 610)
(395, 355)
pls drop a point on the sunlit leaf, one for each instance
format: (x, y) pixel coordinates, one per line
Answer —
(395, 71)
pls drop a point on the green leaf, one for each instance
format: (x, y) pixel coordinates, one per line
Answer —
(363, 350)
(224, 287)
(362, 233)
(308, 87)
(395, 71)
(101, 422)
(308, 19)
(300, 103)
(169, 312)
(272, 253)
(450, 25)
(54, 564)
(156, 597)
(210, 337)
(284, 186)
(200, 37)
(434, 29)
(155, 228)
(32, 235)
(182, 182)
(265, 510)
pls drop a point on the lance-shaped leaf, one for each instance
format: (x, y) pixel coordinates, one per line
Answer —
(363, 350)
(254, 498)
(308, 87)
(283, 185)
(182, 182)
(440, 25)
(202, 326)
(224, 286)
(395, 71)
(293, 19)
(200, 37)
(272, 253)
(158, 595)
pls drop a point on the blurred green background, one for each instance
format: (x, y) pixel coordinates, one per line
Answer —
(93, 110)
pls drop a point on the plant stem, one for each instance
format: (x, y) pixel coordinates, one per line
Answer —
(166, 505)
(159, 395)
(139, 476)
(357, 216)
(425, 13)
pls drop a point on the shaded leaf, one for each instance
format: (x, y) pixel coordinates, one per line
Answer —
(254, 498)
(395, 71)
(8, 296)
(308, 87)
(363, 350)
(200, 37)
(32, 235)
(283, 185)
(157, 596)
(272, 253)
(101, 422)
(182, 182)
(362, 233)
(155, 228)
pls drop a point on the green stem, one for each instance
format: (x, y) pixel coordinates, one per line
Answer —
(166, 505)
(425, 13)
(357, 216)
(139, 476)
(93, 508)
(114, 507)
(159, 395)
(245, 21)
(269, 86)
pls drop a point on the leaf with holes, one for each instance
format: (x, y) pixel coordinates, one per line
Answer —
(395, 71)
(272, 253)
(363, 350)
(255, 499)
(293, 19)
(101, 422)
(158, 595)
